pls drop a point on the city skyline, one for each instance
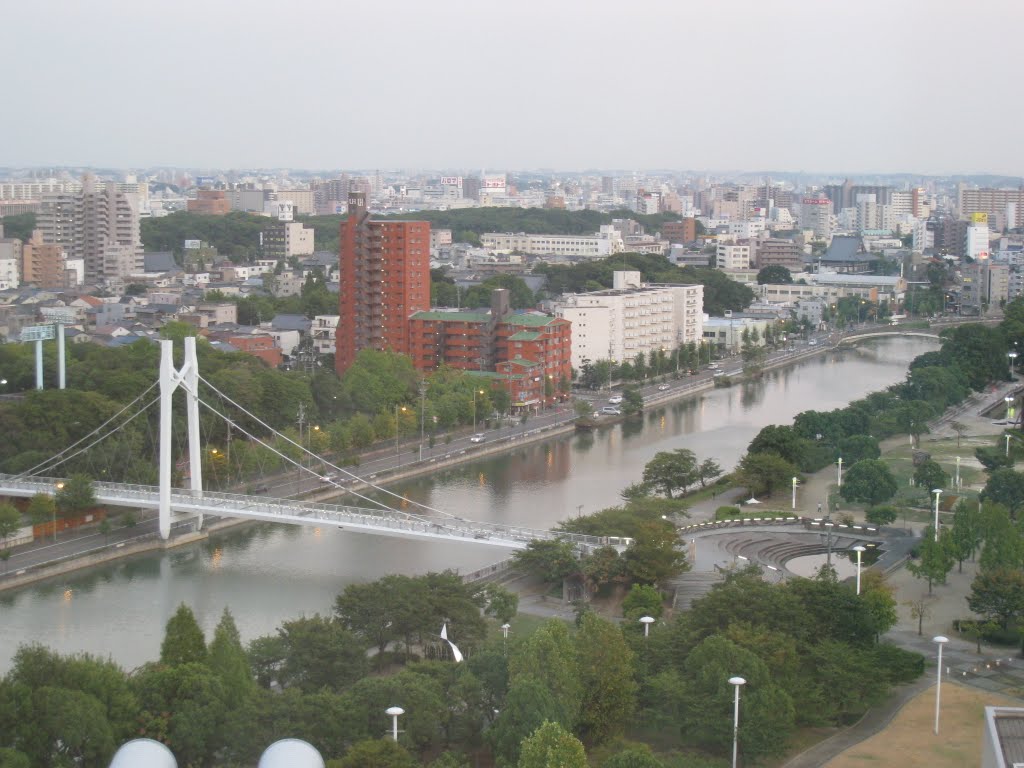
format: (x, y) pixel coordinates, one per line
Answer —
(793, 85)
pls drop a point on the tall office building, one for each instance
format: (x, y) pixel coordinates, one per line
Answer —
(99, 225)
(816, 214)
(994, 202)
(384, 270)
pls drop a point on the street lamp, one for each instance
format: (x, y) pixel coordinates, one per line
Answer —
(394, 712)
(1009, 409)
(839, 477)
(736, 681)
(794, 493)
(1012, 356)
(940, 640)
(1007, 446)
(475, 393)
(958, 473)
(646, 621)
(398, 431)
(859, 550)
(423, 394)
(504, 636)
(60, 487)
(937, 492)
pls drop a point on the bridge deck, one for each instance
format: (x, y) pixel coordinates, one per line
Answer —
(382, 522)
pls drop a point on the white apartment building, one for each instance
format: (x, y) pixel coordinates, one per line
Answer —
(34, 190)
(99, 225)
(816, 215)
(607, 242)
(323, 331)
(976, 246)
(733, 256)
(298, 239)
(747, 229)
(632, 318)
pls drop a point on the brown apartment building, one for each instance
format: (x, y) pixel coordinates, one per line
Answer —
(384, 276)
(210, 202)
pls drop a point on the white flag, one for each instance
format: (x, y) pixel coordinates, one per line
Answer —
(456, 653)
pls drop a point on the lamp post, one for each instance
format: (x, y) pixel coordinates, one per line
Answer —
(394, 712)
(60, 487)
(1009, 409)
(423, 395)
(398, 430)
(646, 621)
(737, 682)
(859, 550)
(1013, 357)
(475, 392)
(794, 493)
(958, 473)
(940, 640)
(938, 493)
(1007, 446)
(839, 476)
(504, 637)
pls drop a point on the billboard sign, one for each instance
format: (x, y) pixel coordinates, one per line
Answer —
(979, 218)
(204, 181)
(451, 181)
(193, 245)
(494, 182)
(38, 333)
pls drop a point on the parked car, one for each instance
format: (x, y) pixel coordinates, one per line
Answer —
(662, 387)
(812, 343)
(712, 366)
(610, 410)
(479, 437)
(615, 399)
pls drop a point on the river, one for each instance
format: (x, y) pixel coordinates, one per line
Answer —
(267, 574)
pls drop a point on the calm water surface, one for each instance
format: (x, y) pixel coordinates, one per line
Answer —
(267, 574)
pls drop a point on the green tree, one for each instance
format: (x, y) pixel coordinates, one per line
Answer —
(935, 560)
(421, 696)
(603, 566)
(528, 705)
(1006, 487)
(41, 508)
(998, 594)
(708, 470)
(639, 756)
(858, 447)
(883, 514)
(552, 745)
(377, 753)
(320, 653)
(762, 473)
(12, 758)
(551, 560)
(643, 600)
(76, 495)
(783, 441)
(654, 555)
(183, 639)
(632, 401)
(774, 274)
(1003, 545)
(10, 520)
(228, 661)
(548, 656)
(930, 475)
(605, 664)
(992, 458)
(501, 603)
(68, 728)
(869, 481)
(672, 470)
(965, 535)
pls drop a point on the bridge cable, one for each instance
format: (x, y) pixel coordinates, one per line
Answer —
(30, 472)
(342, 470)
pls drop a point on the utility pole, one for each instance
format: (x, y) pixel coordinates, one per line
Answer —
(300, 419)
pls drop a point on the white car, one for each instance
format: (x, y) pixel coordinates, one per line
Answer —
(615, 399)
(479, 437)
(610, 410)
(662, 387)
(812, 343)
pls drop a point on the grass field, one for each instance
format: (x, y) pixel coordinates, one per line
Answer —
(908, 741)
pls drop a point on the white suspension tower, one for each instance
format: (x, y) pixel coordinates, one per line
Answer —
(170, 379)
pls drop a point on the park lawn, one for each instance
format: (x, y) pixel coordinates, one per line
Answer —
(908, 740)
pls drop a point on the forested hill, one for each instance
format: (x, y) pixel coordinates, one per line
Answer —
(236, 235)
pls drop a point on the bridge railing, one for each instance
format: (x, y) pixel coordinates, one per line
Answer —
(293, 510)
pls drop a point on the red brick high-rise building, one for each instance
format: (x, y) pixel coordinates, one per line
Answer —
(384, 278)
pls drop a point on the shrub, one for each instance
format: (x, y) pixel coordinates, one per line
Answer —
(898, 665)
(728, 513)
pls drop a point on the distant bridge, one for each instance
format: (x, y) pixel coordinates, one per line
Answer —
(892, 331)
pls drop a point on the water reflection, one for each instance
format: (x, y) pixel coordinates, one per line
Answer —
(269, 573)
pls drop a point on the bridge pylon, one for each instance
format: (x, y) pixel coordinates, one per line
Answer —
(170, 379)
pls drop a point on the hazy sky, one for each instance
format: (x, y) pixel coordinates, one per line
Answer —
(926, 86)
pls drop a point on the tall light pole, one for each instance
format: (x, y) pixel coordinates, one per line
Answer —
(475, 392)
(1013, 357)
(940, 640)
(423, 395)
(737, 682)
(839, 476)
(794, 493)
(646, 621)
(300, 419)
(398, 430)
(938, 493)
(60, 487)
(394, 712)
(859, 550)
(1009, 409)
(1007, 446)
(958, 473)
(504, 637)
